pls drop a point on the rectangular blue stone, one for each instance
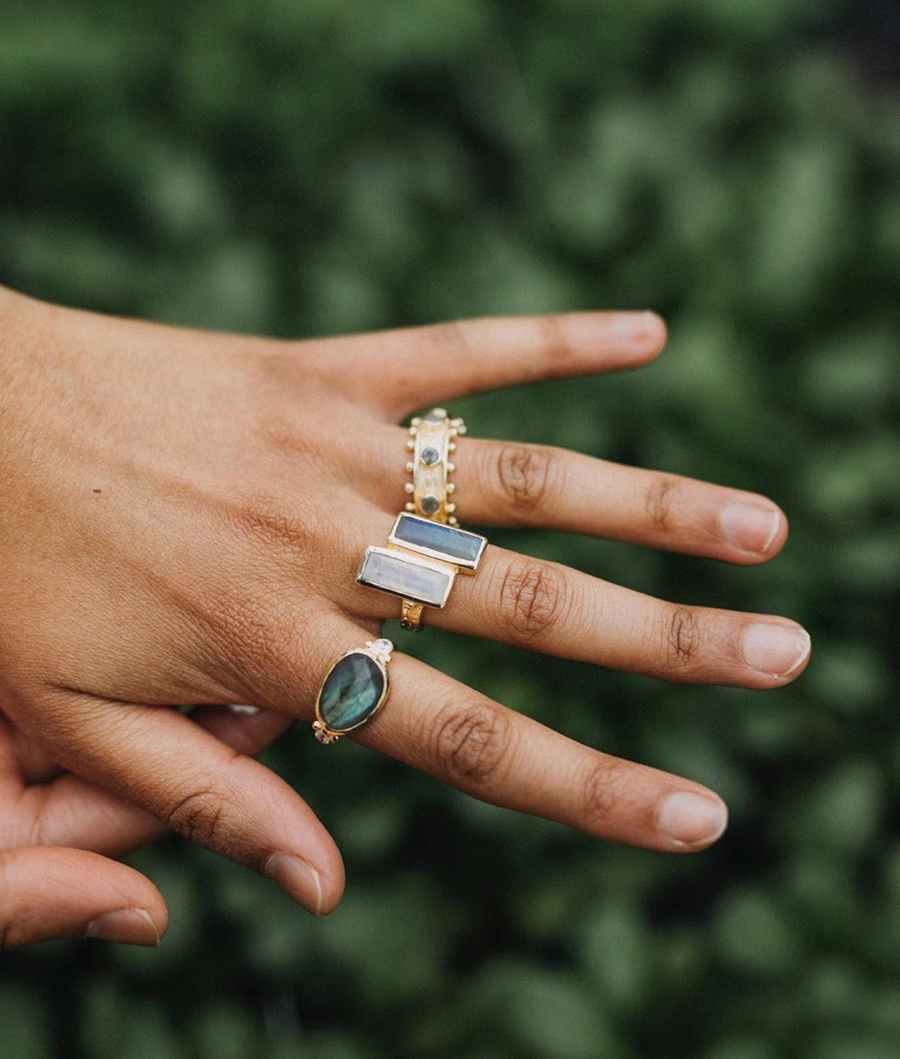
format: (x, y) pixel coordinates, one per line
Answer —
(407, 576)
(438, 541)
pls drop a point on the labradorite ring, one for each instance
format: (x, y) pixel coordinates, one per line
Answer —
(432, 442)
(355, 688)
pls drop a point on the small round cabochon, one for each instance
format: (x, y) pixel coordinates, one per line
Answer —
(351, 693)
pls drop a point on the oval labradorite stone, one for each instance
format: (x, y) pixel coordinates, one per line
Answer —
(351, 692)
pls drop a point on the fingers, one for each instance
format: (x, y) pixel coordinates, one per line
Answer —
(195, 785)
(48, 893)
(248, 731)
(554, 609)
(484, 749)
(442, 727)
(71, 811)
(424, 365)
(514, 484)
(500, 483)
(559, 611)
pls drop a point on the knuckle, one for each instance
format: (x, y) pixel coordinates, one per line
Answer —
(197, 815)
(524, 475)
(248, 627)
(553, 340)
(682, 635)
(260, 633)
(603, 784)
(263, 645)
(268, 521)
(450, 338)
(658, 503)
(471, 739)
(532, 595)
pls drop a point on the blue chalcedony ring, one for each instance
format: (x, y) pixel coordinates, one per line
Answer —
(355, 688)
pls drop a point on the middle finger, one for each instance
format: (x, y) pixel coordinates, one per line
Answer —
(509, 483)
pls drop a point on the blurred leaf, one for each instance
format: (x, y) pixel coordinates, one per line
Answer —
(753, 934)
(24, 1031)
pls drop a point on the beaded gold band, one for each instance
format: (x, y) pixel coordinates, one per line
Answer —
(432, 442)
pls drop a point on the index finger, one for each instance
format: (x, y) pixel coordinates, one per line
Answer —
(204, 790)
(71, 811)
(48, 893)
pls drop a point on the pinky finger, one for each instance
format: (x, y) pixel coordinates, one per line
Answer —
(502, 757)
(48, 892)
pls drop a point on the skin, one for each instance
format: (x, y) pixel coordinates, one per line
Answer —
(168, 538)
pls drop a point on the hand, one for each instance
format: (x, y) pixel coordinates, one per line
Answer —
(183, 519)
(49, 887)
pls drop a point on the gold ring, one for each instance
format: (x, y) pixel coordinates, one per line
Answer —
(419, 563)
(411, 615)
(355, 688)
(432, 442)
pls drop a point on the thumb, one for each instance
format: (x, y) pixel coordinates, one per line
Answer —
(49, 892)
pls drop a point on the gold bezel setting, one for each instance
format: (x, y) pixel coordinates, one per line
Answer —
(411, 561)
(380, 652)
(465, 564)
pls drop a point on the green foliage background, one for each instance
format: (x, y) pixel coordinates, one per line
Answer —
(309, 166)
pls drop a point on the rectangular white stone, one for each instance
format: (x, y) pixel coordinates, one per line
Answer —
(407, 576)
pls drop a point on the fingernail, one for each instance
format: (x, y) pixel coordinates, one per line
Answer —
(775, 649)
(298, 878)
(749, 527)
(130, 925)
(692, 818)
(635, 327)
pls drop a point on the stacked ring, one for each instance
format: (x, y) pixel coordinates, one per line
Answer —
(432, 442)
(419, 563)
